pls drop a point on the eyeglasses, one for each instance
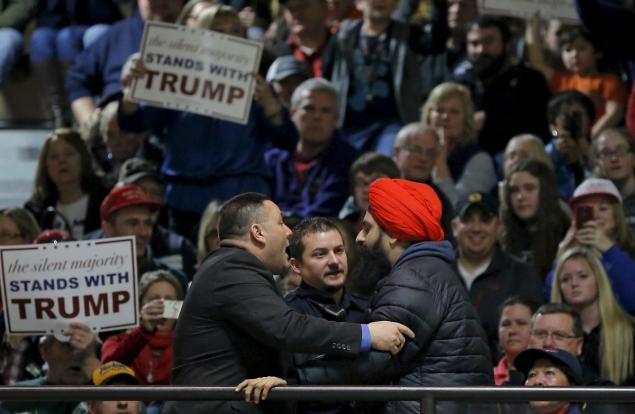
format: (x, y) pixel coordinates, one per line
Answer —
(619, 152)
(556, 335)
(414, 150)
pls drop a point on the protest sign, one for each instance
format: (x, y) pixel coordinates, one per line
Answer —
(46, 286)
(198, 71)
(548, 9)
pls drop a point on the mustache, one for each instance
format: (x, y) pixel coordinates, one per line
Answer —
(334, 271)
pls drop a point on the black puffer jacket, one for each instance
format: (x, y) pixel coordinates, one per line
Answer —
(423, 292)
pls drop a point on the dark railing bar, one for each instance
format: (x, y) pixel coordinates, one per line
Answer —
(428, 395)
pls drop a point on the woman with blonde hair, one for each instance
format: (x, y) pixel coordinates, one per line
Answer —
(582, 283)
(67, 192)
(463, 166)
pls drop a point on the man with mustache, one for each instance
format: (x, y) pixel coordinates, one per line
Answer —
(510, 98)
(318, 255)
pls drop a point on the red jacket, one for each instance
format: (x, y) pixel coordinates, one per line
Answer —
(148, 354)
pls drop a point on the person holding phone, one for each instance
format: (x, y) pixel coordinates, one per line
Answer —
(147, 349)
(570, 114)
(599, 224)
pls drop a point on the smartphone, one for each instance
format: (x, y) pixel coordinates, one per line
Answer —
(583, 213)
(172, 308)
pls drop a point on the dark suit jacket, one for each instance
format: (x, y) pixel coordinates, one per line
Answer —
(235, 325)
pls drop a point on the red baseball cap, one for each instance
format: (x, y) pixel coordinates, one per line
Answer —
(126, 196)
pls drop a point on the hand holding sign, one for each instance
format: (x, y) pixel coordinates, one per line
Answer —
(81, 338)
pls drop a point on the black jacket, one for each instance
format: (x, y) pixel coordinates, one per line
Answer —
(235, 325)
(504, 277)
(424, 293)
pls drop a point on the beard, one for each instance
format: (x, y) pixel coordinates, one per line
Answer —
(371, 266)
(487, 66)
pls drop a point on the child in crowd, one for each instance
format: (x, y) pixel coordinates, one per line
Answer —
(581, 56)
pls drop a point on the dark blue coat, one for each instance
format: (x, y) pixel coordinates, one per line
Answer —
(97, 70)
(325, 187)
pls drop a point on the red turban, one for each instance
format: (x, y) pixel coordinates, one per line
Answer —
(406, 210)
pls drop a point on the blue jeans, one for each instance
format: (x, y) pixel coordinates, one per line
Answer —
(10, 49)
(63, 44)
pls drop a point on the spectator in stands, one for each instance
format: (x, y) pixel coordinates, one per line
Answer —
(147, 349)
(366, 169)
(97, 70)
(14, 16)
(207, 240)
(570, 114)
(167, 246)
(67, 193)
(551, 368)
(582, 283)
(462, 166)
(559, 326)
(523, 147)
(19, 356)
(603, 228)
(417, 149)
(111, 147)
(17, 226)
(129, 211)
(489, 274)
(580, 55)
(376, 69)
(510, 98)
(309, 38)
(71, 360)
(312, 180)
(514, 329)
(318, 255)
(114, 373)
(438, 68)
(65, 28)
(191, 11)
(285, 74)
(219, 167)
(533, 222)
(614, 153)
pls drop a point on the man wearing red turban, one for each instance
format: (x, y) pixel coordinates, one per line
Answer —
(422, 291)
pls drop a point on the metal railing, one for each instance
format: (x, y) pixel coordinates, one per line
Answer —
(427, 395)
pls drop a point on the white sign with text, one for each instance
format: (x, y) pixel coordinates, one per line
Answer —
(198, 71)
(46, 286)
(548, 9)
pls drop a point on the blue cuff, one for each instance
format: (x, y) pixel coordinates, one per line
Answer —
(365, 347)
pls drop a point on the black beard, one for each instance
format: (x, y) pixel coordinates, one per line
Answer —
(372, 265)
(487, 66)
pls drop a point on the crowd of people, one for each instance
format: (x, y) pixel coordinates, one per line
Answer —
(422, 194)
